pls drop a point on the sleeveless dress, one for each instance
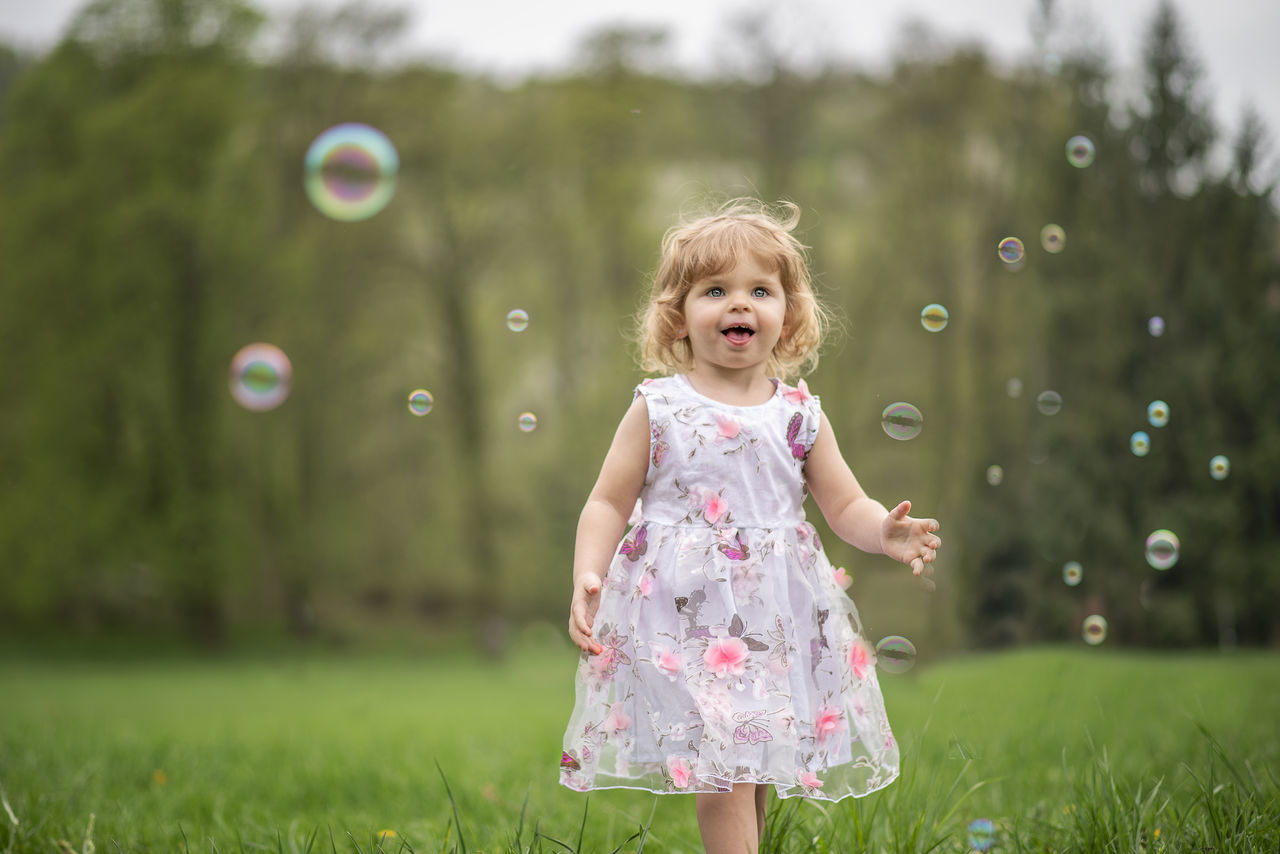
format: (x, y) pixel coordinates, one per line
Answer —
(731, 652)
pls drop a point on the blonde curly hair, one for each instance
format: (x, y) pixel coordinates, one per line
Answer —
(710, 245)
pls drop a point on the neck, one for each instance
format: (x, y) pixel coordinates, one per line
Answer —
(736, 387)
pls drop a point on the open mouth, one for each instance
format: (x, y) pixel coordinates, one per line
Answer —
(738, 334)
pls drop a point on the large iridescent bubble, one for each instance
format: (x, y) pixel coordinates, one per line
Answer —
(349, 172)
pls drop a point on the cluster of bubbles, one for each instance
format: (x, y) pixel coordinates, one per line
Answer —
(902, 421)
(260, 376)
(895, 654)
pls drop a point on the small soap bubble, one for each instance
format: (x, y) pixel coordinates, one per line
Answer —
(260, 375)
(1011, 250)
(1094, 629)
(1080, 151)
(995, 475)
(1013, 387)
(902, 421)
(1072, 573)
(518, 320)
(982, 834)
(349, 172)
(895, 654)
(527, 422)
(1140, 443)
(1157, 413)
(1155, 326)
(934, 317)
(1219, 467)
(1049, 402)
(1162, 548)
(420, 401)
(1053, 238)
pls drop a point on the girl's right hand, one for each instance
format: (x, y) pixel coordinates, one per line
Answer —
(582, 612)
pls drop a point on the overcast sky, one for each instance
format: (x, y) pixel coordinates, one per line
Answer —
(1235, 40)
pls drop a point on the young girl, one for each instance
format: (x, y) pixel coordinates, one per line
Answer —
(720, 654)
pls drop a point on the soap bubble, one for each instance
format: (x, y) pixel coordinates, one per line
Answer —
(1157, 413)
(527, 422)
(1140, 443)
(895, 654)
(1163, 548)
(934, 317)
(1011, 250)
(981, 834)
(349, 172)
(420, 401)
(1013, 387)
(1155, 326)
(518, 320)
(1219, 467)
(1053, 238)
(1049, 402)
(995, 475)
(260, 375)
(1094, 629)
(1072, 573)
(902, 421)
(1080, 151)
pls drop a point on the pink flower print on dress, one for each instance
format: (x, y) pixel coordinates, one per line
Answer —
(728, 427)
(799, 394)
(680, 770)
(844, 579)
(714, 507)
(860, 658)
(667, 662)
(830, 721)
(645, 587)
(726, 657)
(808, 779)
(618, 720)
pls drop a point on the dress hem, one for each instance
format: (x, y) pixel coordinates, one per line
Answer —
(776, 787)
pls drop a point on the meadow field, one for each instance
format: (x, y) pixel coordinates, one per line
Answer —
(1060, 749)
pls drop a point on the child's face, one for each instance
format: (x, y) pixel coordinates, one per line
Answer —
(734, 319)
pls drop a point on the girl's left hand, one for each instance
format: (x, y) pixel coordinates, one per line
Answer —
(910, 540)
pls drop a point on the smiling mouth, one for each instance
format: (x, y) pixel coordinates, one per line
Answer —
(738, 334)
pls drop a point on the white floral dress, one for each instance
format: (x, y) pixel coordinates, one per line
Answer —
(731, 653)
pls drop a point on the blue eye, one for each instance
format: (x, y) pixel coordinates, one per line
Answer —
(761, 292)
(715, 292)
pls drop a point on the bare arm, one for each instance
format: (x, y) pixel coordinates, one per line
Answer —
(859, 519)
(604, 519)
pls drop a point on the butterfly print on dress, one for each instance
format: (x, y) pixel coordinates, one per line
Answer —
(635, 546)
(798, 450)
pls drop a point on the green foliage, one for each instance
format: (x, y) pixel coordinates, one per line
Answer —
(154, 224)
(1062, 750)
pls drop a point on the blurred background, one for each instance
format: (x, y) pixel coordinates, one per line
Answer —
(171, 197)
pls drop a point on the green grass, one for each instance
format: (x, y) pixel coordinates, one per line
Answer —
(1063, 749)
